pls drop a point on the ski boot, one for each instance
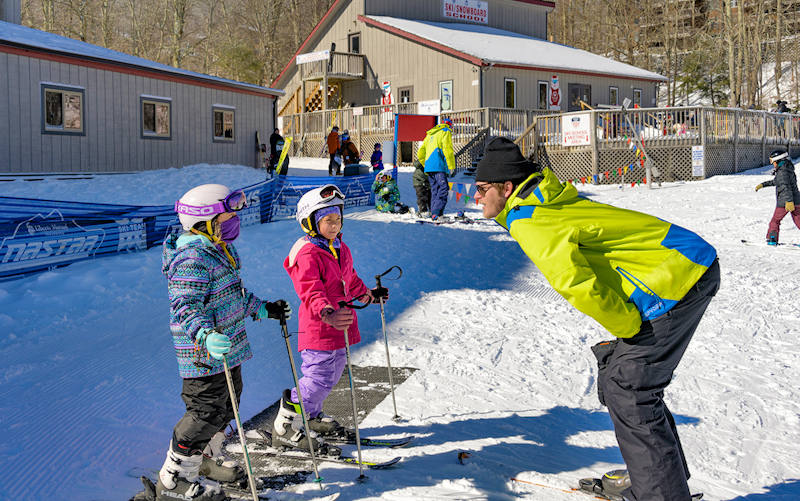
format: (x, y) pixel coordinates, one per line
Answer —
(179, 479)
(609, 487)
(288, 431)
(216, 465)
(772, 239)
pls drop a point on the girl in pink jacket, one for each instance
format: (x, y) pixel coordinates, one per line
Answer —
(321, 268)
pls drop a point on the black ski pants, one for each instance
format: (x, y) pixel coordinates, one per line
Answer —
(632, 376)
(423, 197)
(208, 410)
(333, 166)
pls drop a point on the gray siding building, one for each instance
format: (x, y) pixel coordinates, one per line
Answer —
(466, 54)
(69, 106)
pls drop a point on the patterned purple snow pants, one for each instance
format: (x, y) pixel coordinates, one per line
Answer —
(321, 371)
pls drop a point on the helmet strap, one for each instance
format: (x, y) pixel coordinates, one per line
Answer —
(308, 227)
(216, 240)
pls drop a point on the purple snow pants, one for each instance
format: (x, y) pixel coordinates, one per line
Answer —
(321, 371)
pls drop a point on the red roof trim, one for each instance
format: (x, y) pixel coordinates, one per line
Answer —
(302, 46)
(538, 2)
(423, 41)
(576, 72)
(130, 70)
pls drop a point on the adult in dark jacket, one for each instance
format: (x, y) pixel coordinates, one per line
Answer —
(333, 142)
(275, 148)
(348, 150)
(787, 194)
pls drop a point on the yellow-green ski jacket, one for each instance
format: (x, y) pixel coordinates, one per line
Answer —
(618, 266)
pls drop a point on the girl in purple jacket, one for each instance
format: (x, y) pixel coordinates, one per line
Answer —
(321, 268)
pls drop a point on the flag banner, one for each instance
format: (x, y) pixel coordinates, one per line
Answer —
(40, 235)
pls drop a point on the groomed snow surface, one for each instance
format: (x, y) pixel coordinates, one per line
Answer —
(90, 388)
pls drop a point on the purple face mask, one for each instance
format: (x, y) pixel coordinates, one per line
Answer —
(229, 230)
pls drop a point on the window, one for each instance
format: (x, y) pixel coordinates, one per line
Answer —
(224, 124)
(354, 43)
(446, 95)
(578, 93)
(637, 97)
(613, 96)
(156, 117)
(511, 92)
(62, 110)
(543, 86)
(406, 94)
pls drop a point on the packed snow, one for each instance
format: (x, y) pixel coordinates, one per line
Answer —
(90, 390)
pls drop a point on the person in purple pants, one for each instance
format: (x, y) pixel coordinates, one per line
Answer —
(321, 268)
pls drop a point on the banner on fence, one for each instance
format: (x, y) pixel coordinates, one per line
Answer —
(40, 235)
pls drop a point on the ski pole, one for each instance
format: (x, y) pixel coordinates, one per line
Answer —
(396, 417)
(242, 438)
(318, 479)
(345, 304)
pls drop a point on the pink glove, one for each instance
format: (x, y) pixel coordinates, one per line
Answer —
(339, 319)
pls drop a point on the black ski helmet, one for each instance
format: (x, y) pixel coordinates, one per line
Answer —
(777, 156)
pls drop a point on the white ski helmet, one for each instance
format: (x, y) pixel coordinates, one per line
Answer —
(201, 196)
(318, 198)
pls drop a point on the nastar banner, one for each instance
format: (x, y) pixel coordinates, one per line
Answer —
(467, 10)
(40, 235)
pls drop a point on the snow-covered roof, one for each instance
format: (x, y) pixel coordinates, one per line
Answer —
(492, 45)
(22, 36)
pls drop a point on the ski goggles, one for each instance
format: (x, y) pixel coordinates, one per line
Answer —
(235, 201)
(329, 192)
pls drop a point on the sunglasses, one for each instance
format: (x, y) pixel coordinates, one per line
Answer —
(329, 192)
(235, 201)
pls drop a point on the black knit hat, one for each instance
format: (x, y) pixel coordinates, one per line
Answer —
(502, 161)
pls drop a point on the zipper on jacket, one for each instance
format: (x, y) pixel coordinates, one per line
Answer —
(636, 282)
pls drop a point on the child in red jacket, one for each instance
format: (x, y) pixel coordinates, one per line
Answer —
(321, 268)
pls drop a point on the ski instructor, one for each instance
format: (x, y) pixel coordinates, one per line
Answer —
(646, 281)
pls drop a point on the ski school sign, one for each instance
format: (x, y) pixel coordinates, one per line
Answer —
(41, 235)
(467, 10)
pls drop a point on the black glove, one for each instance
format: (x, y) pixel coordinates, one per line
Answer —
(274, 310)
(379, 293)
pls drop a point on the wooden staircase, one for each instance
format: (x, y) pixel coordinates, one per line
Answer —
(314, 100)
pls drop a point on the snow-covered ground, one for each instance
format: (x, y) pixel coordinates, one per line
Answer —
(90, 388)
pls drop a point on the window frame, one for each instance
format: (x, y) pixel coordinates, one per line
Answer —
(221, 108)
(400, 90)
(546, 104)
(506, 81)
(63, 90)
(639, 91)
(616, 101)
(350, 38)
(155, 100)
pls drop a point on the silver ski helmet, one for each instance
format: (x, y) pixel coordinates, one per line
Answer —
(318, 198)
(204, 202)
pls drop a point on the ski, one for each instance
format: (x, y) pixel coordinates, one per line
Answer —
(446, 220)
(594, 487)
(346, 460)
(349, 438)
(782, 245)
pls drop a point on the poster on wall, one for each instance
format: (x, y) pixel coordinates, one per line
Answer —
(555, 94)
(432, 107)
(698, 161)
(476, 11)
(576, 129)
(446, 95)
